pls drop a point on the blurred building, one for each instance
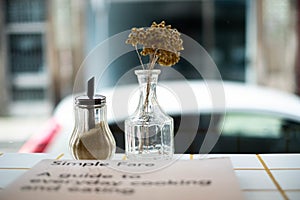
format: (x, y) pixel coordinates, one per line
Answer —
(43, 42)
(39, 52)
(25, 74)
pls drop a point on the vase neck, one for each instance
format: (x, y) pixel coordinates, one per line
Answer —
(146, 76)
(147, 84)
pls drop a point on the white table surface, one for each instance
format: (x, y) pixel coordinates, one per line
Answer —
(261, 176)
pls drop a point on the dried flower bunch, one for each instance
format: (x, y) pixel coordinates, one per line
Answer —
(162, 43)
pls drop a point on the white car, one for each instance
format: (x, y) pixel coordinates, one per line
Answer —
(241, 118)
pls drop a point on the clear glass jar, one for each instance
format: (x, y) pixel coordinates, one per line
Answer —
(91, 138)
(149, 130)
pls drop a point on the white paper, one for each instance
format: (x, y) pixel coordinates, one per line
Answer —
(77, 180)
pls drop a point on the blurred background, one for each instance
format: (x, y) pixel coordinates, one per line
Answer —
(44, 42)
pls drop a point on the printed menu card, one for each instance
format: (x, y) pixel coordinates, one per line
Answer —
(141, 180)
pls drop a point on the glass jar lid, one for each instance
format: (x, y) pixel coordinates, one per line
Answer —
(85, 100)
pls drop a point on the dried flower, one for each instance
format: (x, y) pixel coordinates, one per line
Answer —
(162, 43)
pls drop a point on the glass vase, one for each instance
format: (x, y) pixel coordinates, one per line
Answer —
(149, 130)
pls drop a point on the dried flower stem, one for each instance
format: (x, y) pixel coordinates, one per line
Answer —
(140, 58)
(153, 59)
